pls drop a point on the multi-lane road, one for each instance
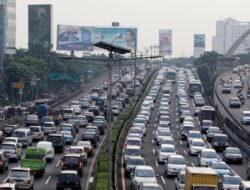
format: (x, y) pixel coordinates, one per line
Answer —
(150, 149)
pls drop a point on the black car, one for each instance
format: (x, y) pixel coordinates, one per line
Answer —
(89, 136)
(8, 129)
(100, 103)
(100, 126)
(4, 161)
(57, 141)
(232, 155)
(94, 109)
(234, 102)
(68, 179)
(130, 92)
(220, 142)
(125, 98)
(72, 162)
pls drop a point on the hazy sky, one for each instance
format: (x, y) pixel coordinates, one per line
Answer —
(184, 17)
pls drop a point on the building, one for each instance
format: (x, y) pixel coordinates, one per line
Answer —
(8, 26)
(227, 32)
(40, 24)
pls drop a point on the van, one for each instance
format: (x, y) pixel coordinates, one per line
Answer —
(25, 136)
(50, 152)
(68, 113)
(245, 185)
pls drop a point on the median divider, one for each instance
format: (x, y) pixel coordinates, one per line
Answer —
(119, 131)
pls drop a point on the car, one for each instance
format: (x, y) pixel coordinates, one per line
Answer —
(205, 124)
(24, 135)
(131, 151)
(232, 155)
(207, 156)
(160, 134)
(93, 129)
(37, 132)
(57, 141)
(8, 129)
(142, 174)
(32, 120)
(165, 151)
(68, 127)
(12, 150)
(68, 179)
(220, 142)
(164, 120)
(49, 127)
(74, 123)
(226, 89)
(67, 136)
(46, 119)
(166, 140)
(180, 181)
(234, 102)
(115, 109)
(48, 146)
(91, 137)
(81, 119)
(137, 130)
(22, 177)
(237, 84)
(148, 186)
(174, 165)
(245, 118)
(94, 110)
(221, 168)
(84, 103)
(229, 182)
(193, 135)
(185, 130)
(87, 147)
(77, 150)
(132, 162)
(134, 141)
(211, 131)
(89, 116)
(72, 162)
(8, 186)
(195, 147)
(100, 125)
(4, 161)
(197, 111)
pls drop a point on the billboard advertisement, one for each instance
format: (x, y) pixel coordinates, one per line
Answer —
(165, 42)
(199, 40)
(124, 37)
(76, 38)
(40, 22)
(82, 38)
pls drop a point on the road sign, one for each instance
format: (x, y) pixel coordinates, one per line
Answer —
(19, 85)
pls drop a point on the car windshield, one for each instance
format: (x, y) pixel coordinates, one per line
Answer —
(133, 142)
(233, 151)
(195, 135)
(178, 161)
(167, 149)
(68, 111)
(19, 173)
(75, 150)
(198, 143)
(88, 135)
(34, 129)
(136, 162)
(221, 138)
(214, 130)
(207, 123)
(54, 138)
(185, 129)
(65, 128)
(144, 173)
(151, 188)
(220, 166)
(164, 133)
(164, 118)
(231, 180)
(131, 151)
(8, 147)
(246, 114)
(19, 134)
(136, 130)
(71, 178)
(209, 154)
(71, 160)
(47, 125)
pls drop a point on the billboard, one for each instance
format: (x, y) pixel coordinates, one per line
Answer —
(165, 42)
(82, 38)
(40, 23)
(76, 38)
(124, 37)
(199, 40)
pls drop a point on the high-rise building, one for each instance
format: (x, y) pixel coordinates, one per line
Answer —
(8, 26)
(199, 45)
(227, 32)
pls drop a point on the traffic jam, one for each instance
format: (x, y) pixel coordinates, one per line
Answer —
(52, 148)
(174, 141)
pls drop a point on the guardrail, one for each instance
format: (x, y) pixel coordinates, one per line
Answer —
(123, 135)
(238, 134)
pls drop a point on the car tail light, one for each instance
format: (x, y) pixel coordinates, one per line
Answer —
(1, 162)
(62, 163)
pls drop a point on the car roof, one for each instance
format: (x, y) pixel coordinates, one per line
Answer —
(20, 168)
(144, 168)
(208, 150)
(176, 156)
(69, 172)
(72, 155)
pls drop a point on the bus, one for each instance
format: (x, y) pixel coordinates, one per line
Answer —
(194, 86)
(171, 75)
(206, 113)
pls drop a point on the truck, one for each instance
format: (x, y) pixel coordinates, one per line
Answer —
(200, 178)
(42, 107)
(35, 159)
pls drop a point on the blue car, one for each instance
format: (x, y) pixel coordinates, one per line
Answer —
(67, 136)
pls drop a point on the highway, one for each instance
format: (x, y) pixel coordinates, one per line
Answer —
(150, 149)
(235, 112)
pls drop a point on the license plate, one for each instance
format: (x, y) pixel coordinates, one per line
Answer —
(67, 188)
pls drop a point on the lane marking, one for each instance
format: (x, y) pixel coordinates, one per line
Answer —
(192, 164)
(180, 142)
(47, 181)
(185, 152)
(153, 141)
(58, 163)
(5, 180)
(93, 161)
(153, 151)
(176, 120)
(156, 163)
(163, 180)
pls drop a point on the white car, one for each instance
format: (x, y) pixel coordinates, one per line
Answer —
(195, 146)
(76, 109)
(115, 109)
(164, 120)
(207, 156)
(12, 149)
(146, 114)
(131, 151)
(245, 117)
(165, 151)
(193, 135)
(237, 84)
(162, 133)
(180, 181)
(174, 165)
(48, 146)
(142, 174)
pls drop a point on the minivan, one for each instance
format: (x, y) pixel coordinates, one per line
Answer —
(48, 146)
(25, 136)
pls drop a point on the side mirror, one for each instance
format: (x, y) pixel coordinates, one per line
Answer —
(20, 145)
